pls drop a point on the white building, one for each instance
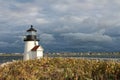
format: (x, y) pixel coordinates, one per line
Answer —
(32, 48)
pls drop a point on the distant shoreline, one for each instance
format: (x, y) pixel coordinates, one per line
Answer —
(11, 54)
(96, 56)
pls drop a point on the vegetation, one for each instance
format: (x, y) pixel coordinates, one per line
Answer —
(87, 54)
(12, 54)
(61, 69)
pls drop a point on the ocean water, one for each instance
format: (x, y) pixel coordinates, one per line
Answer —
(4, 59)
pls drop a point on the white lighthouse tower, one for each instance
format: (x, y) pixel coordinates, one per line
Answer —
(32, 48)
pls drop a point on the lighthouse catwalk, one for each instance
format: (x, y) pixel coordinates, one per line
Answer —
(32, 48)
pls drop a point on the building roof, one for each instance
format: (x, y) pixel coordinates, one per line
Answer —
(31, 29)
(35, 48)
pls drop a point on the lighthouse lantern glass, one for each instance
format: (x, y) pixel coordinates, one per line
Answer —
(31, 33)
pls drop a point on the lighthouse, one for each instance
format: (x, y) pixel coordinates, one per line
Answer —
(32, 48)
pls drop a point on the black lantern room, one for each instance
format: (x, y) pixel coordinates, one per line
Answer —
(31, 35)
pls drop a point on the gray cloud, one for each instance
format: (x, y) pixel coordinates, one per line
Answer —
(65, 24)
(47, 38)
(4, 44)
(83, 37)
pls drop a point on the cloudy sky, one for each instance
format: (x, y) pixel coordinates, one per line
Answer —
(63, 25)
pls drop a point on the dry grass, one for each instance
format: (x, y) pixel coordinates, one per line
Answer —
(61, 69)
